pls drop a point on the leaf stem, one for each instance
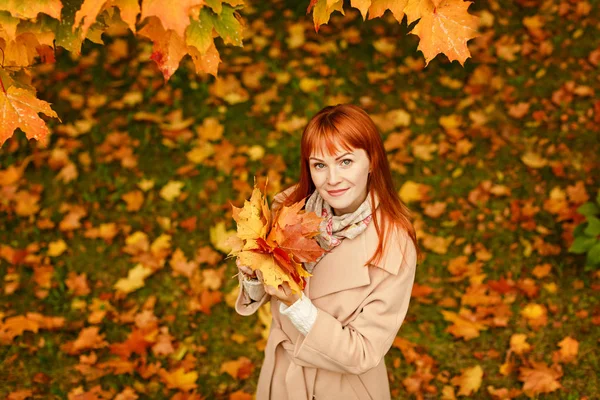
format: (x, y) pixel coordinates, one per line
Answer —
(2, 65)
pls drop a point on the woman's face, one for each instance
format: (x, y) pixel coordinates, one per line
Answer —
(341, 179)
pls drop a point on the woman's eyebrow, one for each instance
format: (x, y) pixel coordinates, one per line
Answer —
(343, 155)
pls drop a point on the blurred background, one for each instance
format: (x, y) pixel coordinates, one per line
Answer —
(112, 234)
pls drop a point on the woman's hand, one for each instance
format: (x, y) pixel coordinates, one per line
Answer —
(283, 292)
(245, 269)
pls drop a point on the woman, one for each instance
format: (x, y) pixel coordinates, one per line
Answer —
(329, 342)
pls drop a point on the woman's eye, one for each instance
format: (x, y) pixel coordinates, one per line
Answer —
(348, 163)
(317, 165)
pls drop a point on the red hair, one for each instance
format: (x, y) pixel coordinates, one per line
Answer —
(351, 127)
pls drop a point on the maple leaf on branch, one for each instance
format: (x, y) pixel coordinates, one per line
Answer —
(445, 26)
(277, 247)
(20, 108)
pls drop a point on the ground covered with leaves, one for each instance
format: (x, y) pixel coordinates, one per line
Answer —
(112, 253)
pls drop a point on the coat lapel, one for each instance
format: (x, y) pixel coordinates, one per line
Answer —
(343, 268)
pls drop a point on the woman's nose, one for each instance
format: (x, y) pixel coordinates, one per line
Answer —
(333, 177)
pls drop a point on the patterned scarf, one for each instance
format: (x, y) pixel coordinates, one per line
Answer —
(334, 228)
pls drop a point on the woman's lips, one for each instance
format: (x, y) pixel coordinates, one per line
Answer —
(337, 193)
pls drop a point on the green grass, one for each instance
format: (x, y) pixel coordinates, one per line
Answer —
(35, 360)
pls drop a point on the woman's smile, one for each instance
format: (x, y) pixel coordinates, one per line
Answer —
(337, 193)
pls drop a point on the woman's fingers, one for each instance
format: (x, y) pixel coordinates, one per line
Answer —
(246, 270)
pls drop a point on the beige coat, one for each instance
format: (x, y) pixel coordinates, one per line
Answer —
(360, 310)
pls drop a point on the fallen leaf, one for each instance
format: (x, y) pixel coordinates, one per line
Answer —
(469, 380)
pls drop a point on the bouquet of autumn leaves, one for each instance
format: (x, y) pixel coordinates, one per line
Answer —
(276, 246)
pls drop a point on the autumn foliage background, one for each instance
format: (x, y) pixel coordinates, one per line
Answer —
(113, 232)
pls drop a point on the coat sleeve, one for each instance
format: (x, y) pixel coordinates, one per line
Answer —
(362, 344)
(244, 305)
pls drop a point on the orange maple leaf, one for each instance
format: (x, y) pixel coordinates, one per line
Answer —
(19, 108)
(276, 247)
(540, 378)
(172, 15)
(169, 47)
(445, 27)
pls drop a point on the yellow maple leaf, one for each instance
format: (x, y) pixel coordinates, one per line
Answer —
(179, 379)
(273, 274)
(56, 248)
(135, 279)
(469, 380)
(412, 191)
(201, 152)
(171, 190)
(253, 219)
(378, 7)
(518, 343)
(323, 9)
(536, 315)
(219, 237)
(533, 160)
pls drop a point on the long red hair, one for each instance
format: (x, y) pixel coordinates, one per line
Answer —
(351, 127)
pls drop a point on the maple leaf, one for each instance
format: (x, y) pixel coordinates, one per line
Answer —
(172, 15)
(273, 274)
(171, 190)
(227, 26)
(443, 28)
(19, 108)
(569, 348)
(518, 343)
(323, 9)
(253, 219)
(462, 326)
(209, 298)
(56, 248)
(179, 379)
(134, 200)
(87, 14)
(238, 369)
(89, 338)
(378, 7)
(135, 279)
(276, 247)
(169, 47)
(129, 10)
(66, 36)
(219, 237)
(136, 343)
(31, 8)
(199, 33)
(15, 326)
(292, 232)
(540, 378)
(469, 380)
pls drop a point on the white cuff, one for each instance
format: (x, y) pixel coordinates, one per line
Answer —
(254, 288)
(302, 313)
